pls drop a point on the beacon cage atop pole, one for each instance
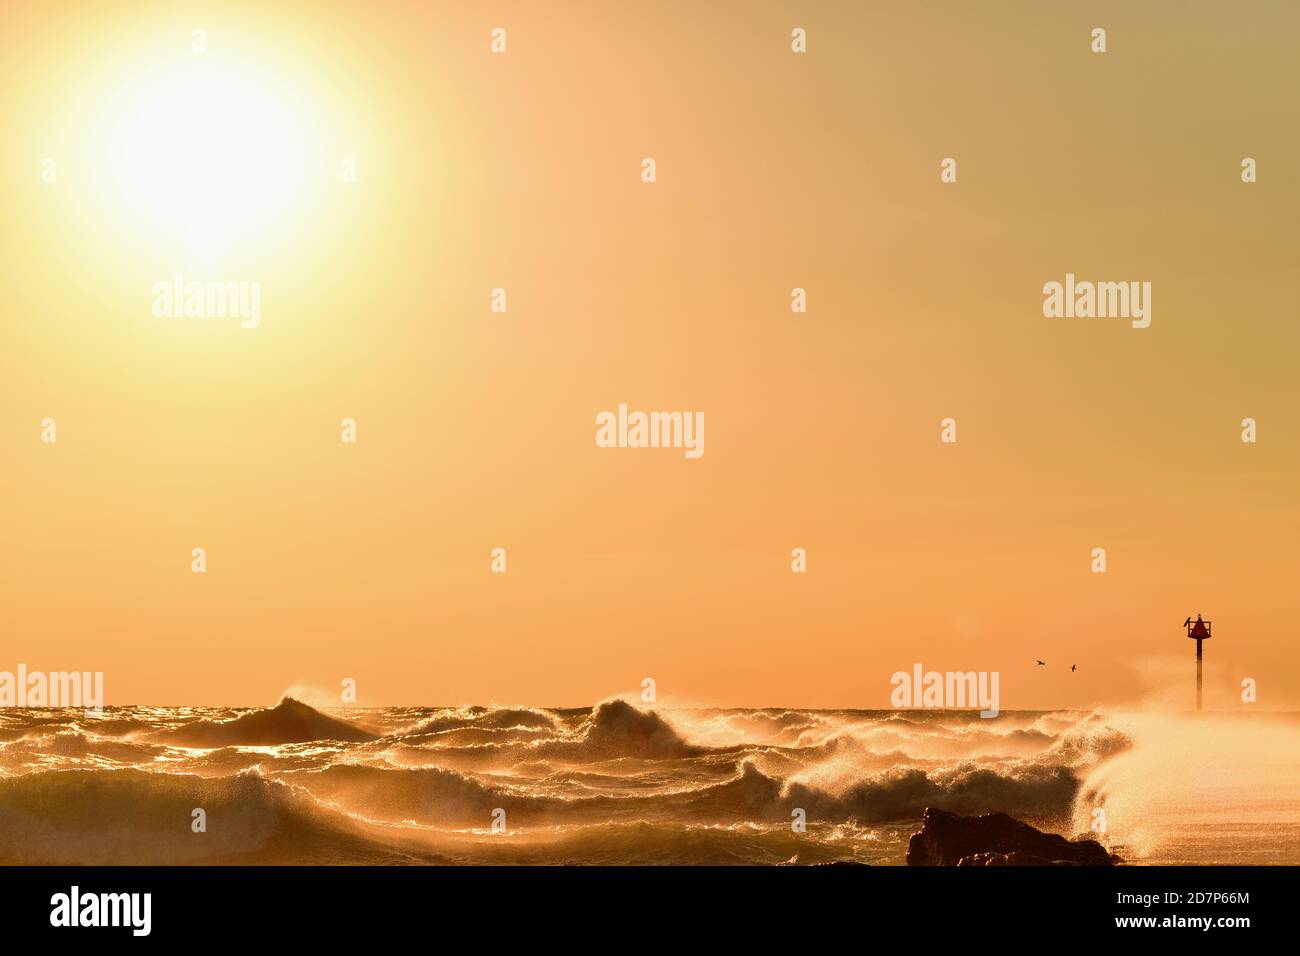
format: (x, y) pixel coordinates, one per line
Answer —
(1198, 631)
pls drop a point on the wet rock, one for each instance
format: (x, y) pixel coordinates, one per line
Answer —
(995, 839)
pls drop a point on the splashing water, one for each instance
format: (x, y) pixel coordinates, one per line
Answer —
(618, 784)
(1201, 789)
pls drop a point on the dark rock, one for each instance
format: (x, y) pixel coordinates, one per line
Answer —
(995, 839)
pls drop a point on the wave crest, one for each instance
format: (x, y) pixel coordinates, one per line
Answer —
(288, 722)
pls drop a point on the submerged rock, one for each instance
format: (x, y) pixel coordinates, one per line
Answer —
(995, 839)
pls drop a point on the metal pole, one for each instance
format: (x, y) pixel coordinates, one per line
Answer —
(1198, 675)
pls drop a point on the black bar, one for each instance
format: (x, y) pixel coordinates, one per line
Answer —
(329, 905)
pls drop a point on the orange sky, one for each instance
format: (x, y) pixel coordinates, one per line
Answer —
(475, 429)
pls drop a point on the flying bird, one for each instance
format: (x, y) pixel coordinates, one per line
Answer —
(1042, 663)
(1073, 668)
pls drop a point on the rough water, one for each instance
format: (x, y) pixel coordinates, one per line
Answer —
(616, 784)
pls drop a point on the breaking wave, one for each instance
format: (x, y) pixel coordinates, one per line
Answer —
(287, 722)
(611, 783)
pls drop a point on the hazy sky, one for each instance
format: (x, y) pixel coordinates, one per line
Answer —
(475, 429)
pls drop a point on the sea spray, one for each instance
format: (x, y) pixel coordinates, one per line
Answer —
(614, 783)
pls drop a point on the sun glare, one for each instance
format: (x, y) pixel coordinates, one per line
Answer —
(208, 154)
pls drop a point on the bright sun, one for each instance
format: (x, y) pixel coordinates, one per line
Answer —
(208, 153)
